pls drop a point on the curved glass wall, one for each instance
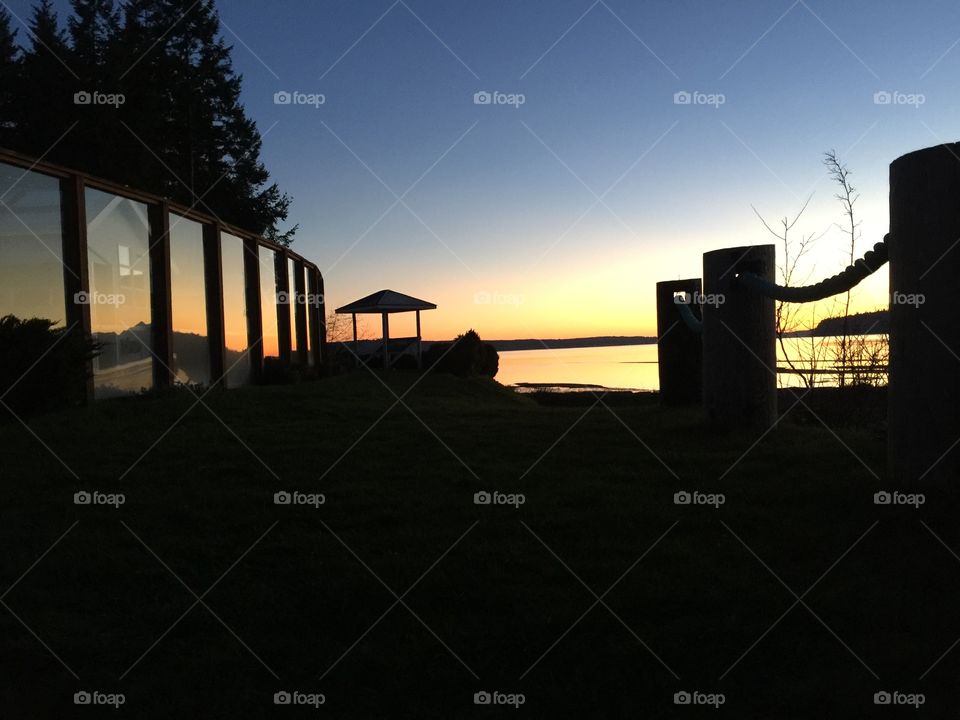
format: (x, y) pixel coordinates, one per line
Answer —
(31, 246)
(118, 254)
(188, 287)
(268, 302)
(234, 311)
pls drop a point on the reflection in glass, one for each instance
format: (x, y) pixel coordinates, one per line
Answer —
(296, 299)
(191, 344)
(311, 310)
(234, 311)
(268, 302)
(118, 245)
(31, 245)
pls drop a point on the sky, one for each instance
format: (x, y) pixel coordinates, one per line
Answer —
(553, 210)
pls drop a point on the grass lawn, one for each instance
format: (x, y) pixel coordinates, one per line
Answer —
(401, 597)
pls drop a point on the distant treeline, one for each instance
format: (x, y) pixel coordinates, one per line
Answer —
(868, 323)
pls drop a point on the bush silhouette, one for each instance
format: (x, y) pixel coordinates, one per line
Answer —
(42, 367)
(467, 356)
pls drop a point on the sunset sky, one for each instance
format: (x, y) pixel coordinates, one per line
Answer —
(556, 218)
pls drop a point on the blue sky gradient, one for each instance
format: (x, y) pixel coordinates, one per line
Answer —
(502, 202)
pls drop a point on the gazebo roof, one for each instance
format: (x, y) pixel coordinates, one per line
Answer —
(385, 301)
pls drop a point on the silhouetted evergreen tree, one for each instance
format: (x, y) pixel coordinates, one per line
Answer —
(43, 105)
(93, 30)
(9, 74)
(181, 130)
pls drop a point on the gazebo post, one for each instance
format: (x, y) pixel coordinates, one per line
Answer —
(419, 344)
(356, 346)
(386, 341)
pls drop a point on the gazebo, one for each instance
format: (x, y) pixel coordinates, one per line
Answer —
(384, 303)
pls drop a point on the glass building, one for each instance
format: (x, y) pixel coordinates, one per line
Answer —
(173, 296)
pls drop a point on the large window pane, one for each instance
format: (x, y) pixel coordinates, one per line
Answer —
(268, 302)
(118, 241)
(311, 311)
(31, 245)
(296, 300)
(235, 310)
(191, 344)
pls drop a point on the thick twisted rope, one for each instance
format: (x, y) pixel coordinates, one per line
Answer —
(691, 320)
(839, 283)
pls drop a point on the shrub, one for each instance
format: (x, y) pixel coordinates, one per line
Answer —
(42, 367)
(467, 356)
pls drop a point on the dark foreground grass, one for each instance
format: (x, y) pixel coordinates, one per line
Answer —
(400, 597)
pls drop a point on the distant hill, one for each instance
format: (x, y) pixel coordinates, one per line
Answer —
(603, 341)
(869, 323)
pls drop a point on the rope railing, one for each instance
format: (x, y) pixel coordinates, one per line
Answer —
(690, 320)
(846, 280)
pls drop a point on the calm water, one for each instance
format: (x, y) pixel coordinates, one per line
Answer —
(632, 367)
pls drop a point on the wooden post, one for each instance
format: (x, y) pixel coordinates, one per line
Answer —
(213, 282)
(924, 393)
(161, 294)
(419, 344)
(739, 339)
(76, 275)
(679, 349)
(322, 349)
(386, 341)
